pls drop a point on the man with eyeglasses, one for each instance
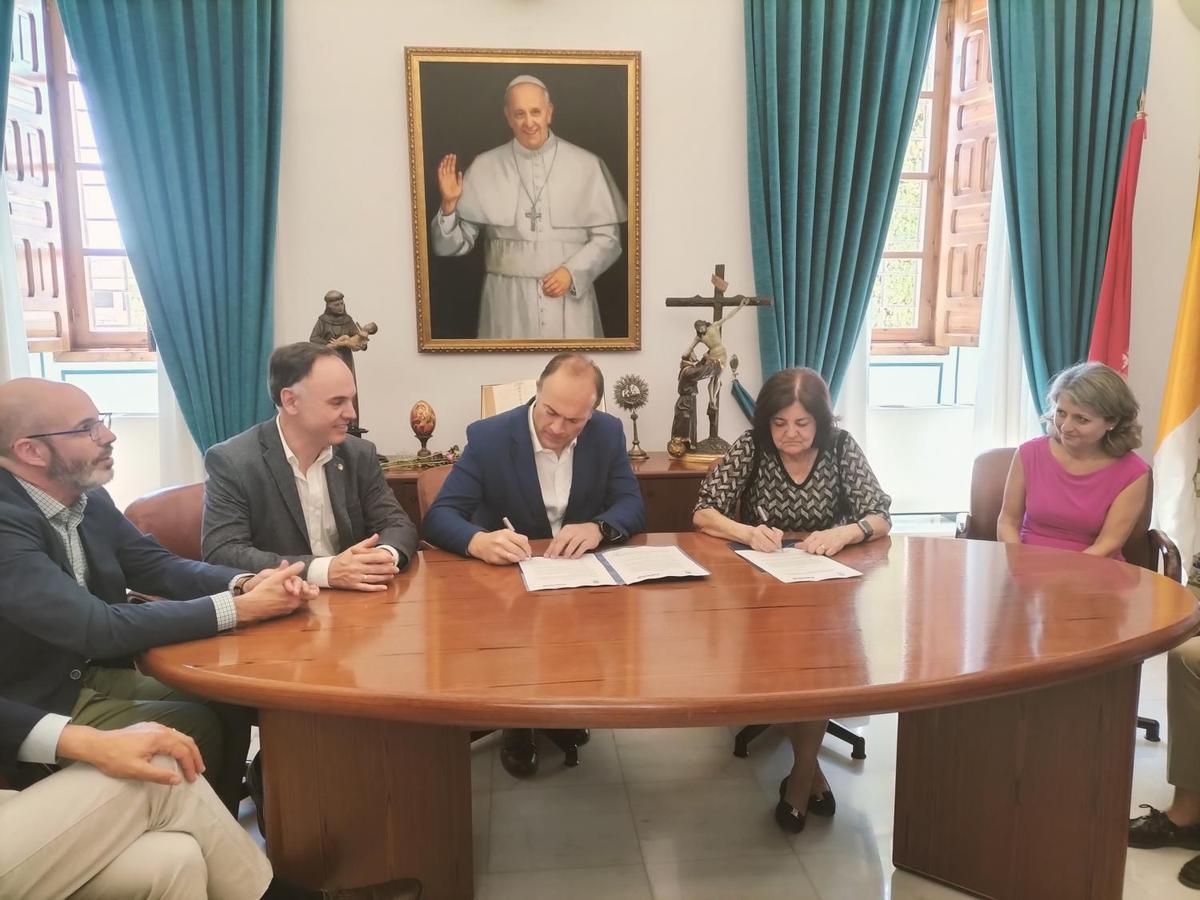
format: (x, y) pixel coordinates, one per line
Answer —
(553, 468)
(67, 558)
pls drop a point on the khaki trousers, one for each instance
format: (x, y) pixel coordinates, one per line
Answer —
(83, 834)
(1183, 715)
(114, 698)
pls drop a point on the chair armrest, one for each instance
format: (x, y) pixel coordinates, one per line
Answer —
(1166, 555)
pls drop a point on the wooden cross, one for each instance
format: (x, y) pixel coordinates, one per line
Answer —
(718, 301)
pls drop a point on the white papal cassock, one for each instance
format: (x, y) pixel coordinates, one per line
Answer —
(579, 209)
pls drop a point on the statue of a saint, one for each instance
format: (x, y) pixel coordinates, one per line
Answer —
(337, 329)
(692, 371)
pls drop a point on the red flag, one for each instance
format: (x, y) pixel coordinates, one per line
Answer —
(1110, 334)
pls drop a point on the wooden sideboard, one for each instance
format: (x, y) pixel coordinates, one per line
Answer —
(669, 488)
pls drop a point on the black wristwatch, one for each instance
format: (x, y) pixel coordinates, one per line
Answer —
(608, 534)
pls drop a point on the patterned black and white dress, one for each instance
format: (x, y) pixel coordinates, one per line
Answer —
(840, 488)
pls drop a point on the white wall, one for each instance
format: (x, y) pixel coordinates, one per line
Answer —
(136, 467)
(1166, 198)
(345, 220)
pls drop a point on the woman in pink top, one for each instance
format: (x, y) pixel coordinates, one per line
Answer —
(1081, 487)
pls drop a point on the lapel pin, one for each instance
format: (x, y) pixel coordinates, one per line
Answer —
(340, 467)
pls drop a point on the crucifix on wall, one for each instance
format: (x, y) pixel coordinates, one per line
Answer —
(710, 365)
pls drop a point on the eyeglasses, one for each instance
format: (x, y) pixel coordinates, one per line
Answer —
(95, 430)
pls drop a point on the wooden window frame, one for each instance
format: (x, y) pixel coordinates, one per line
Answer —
(920, 340)
(81, 337)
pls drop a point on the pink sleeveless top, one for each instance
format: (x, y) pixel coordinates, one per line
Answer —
(1064, 510)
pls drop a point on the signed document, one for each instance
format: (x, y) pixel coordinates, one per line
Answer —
(543, 574)
(633, 564)
(792, 564)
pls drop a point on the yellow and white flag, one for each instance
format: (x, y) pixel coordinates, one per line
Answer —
(1177, 451)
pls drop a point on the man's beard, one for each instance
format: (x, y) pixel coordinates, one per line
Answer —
(81, 476)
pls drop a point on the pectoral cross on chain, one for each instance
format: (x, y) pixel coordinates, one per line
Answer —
(534, 217)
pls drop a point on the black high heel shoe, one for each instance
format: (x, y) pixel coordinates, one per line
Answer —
(787, 816)
(822, 804)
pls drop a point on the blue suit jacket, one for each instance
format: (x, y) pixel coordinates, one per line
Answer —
(496, 477)
(51, 628)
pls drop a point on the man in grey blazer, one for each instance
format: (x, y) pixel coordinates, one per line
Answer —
(300, 487)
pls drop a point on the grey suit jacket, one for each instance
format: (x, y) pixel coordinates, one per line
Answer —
(252, 513)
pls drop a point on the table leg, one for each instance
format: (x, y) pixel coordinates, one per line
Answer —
(358, 801)
(1024, 796)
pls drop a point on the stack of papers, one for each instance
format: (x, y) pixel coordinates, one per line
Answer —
(792, 564)
(624, 566)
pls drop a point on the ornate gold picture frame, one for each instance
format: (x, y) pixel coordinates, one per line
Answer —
(541, 247)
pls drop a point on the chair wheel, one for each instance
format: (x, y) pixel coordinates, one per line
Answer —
(571, 757)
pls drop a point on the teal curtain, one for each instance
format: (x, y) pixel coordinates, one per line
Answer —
(831, 90)
(1067, 75)
(6, 27)
(185, 97)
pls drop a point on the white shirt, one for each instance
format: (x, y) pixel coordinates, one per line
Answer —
(554, 471)
(318, 511)
(313, 489)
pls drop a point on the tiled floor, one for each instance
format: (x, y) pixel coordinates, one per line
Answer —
(673, 814)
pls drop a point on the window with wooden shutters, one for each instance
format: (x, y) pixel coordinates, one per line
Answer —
(30, 174)
(970, 163)
(79, 291)
(928, 293)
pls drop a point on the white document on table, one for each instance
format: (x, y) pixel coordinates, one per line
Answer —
(544, 574)
(792, 564)
(633, 564)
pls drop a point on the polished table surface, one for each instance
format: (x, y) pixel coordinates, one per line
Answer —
(932, 620)
(1015, 671)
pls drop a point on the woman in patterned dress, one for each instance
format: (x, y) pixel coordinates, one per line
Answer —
(795, 470)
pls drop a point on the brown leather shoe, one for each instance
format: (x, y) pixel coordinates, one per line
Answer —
(1155, 829)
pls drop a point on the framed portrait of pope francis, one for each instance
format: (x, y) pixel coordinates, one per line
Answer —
(526, 198)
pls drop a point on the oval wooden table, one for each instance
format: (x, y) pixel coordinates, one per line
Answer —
(1015, 671)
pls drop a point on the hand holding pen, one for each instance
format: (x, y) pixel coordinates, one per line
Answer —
(500, 548)
(763, 537)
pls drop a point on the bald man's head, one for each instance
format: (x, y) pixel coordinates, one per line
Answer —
(72, 450)
(33, 406)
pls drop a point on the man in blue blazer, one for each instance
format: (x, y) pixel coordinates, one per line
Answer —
(67, 557)
(554, 468)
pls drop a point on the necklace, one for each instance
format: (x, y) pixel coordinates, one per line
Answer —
(533, 215)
